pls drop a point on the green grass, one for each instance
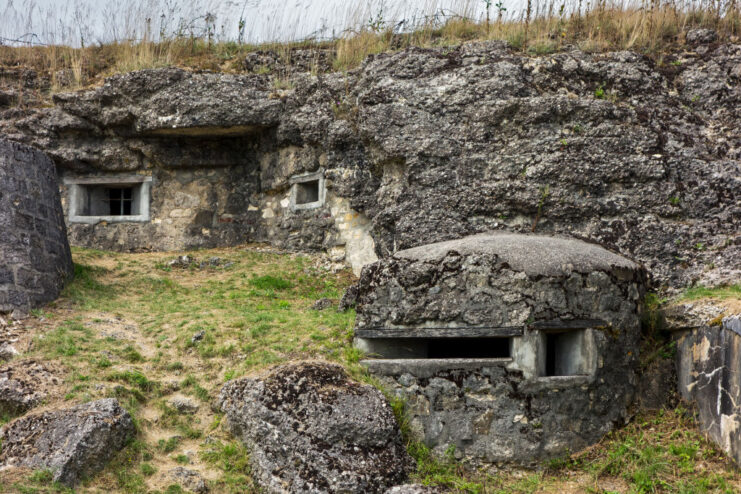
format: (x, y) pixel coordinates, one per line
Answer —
(719, 293)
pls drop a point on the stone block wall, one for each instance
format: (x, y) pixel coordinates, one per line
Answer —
(709, 374)
(35, 259)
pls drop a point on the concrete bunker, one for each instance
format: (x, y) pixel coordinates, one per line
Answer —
(509, 347)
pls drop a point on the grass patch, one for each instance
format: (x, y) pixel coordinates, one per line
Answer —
(717, 293)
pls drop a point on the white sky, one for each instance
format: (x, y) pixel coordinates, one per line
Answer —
(69, 21)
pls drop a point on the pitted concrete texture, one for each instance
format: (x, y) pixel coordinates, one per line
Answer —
(709, 373)
(531, 254)
(35, 259)
(511, 348)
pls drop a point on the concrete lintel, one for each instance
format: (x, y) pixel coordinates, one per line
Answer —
(107, 180)
(428, 367)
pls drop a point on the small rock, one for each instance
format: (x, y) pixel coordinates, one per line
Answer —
(71, 442)
(198, 336)
(184, 405)
(182, 262)
(189, 479)
(323, 303)
(24, 384)
(414, 489)
(701, 36)
(19, 314)
(7, 351)
(349, 298)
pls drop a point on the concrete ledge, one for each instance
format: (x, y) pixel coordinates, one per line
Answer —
(428, 367)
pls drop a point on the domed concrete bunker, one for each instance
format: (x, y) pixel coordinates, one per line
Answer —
(508, 347)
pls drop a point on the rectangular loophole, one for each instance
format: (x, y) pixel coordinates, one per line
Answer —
(436, 348)
(307, 192)
(566, 354)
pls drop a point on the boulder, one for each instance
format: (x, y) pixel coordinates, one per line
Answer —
(24, 384)
(71, 442)
(311, 429)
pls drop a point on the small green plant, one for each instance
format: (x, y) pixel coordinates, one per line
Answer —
(674, 201)
(599, 93)
(147, 469)
(182, 459)
(169, 445)
(700, 246)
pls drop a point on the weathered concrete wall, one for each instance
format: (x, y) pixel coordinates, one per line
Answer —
(35, 258)
(436, 144)
(189, 208)
(709, 374)
(506, 409)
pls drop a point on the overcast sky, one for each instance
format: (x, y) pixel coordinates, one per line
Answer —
(69, 21)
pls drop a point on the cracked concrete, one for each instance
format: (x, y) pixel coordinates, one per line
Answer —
(709, 371)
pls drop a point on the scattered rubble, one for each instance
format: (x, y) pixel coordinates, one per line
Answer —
(24, 384)
(189, 479)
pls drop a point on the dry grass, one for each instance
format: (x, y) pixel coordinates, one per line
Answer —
(651, 28)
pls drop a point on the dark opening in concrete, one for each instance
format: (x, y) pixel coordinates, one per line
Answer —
(307, 192)
(437, 348)
(566, 354)
(119, 200)
(109, 200)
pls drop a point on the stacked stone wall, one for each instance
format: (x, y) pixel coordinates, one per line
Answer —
(35, 258)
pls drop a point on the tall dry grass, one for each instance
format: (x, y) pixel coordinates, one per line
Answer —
(650, 27)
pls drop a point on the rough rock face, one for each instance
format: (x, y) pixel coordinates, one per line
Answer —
(72, 442)
(311, 429)
(35, 259)
(429, 145)
(709, 370)
(24, 384)
(508, 347)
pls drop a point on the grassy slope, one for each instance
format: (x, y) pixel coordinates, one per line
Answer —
(124, 328)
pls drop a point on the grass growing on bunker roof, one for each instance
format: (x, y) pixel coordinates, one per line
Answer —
(132, 328)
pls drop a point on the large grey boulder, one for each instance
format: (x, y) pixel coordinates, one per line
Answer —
(311, 429)
(72, 442)
(24, 384)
